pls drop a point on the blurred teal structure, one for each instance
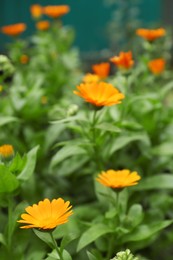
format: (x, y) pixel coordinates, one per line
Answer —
(88, 17)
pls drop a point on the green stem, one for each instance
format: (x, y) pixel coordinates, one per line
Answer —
(10, 220)
(56, 247)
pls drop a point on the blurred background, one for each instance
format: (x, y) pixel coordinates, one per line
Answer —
(99, 25)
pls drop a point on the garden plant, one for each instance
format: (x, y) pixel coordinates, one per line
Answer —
(86, 169)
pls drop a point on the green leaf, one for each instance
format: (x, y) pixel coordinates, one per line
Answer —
(122, 141)
(7, 119)
(54, 255)
(91, 256)
(165, 89)
(162, 181)
(135, 216)
(65, 152)
(146, 231)
(108, 127)
(8, 181)
(17, 164)
(164, 149)
(90, 235)
(30, 165)
(2, 239)
(45, 237)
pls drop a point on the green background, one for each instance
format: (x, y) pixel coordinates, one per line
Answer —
(88, 17)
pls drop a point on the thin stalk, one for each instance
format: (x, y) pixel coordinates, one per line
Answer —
(56, 247)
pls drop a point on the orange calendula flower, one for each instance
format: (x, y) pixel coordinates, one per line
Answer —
(24, 59)
(102, 69)
(99, 93)
(151, 34)
(88, 78)
(46, 215)
(118, 179)
(124, 60)
(6, 150)
(36, 11)
(156, 66)
(14, 29)
(55, 11)
(43, 25)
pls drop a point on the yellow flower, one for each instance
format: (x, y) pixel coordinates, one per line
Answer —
(157, 66)
(6, 150)
(1, 88)
(102, 69)
(150, 34)
(14, 29)
(124, 60)
(36, 11)
(46, 215)
(99, 93)
(118, 179)
(88, 78)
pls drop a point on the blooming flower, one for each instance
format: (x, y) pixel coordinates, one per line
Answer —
(151, 34)
(14, 29)
(36, 11)
(99, 93)
(46, 215)
(55, 11)
(6, 150)
(43, 25)
(24, 59)
(124, 60)
(156, 66)
(88, 78)
(102, 69)
(118, 179)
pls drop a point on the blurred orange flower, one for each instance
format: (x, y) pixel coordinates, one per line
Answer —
(156, 66)
(46, 215)
(6, 150)
(14, 29)
(36, 11)
(102, 69)
(88, 78)
(24, 59)
(43, 25)
(124, 60)
(118, 179)
(99, 93)
(55, 11)
(151, 34)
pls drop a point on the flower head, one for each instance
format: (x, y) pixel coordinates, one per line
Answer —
(36, 11)
(55, 11)
(99, 93)
(157, 66)
(88, 78)
(44, 100)
(14, 29)
(6, 150)
(46, 215)
(124, 60)
(43, 25)
(118, 179)
(24, 59)
(102, 69)
(151, 34)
